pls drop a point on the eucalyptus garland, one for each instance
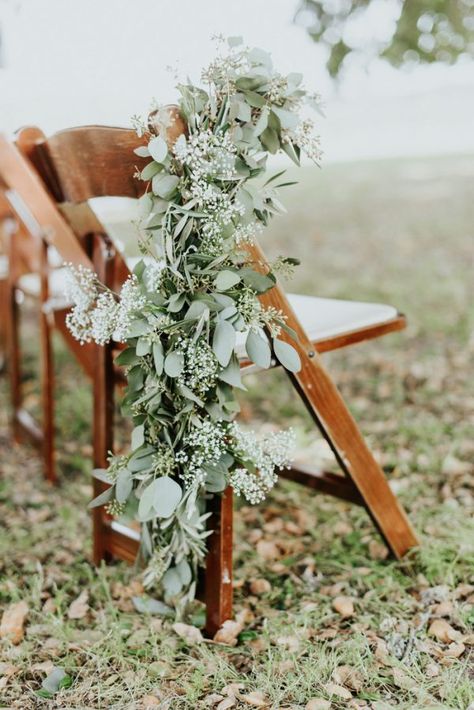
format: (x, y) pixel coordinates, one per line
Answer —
(191, 297)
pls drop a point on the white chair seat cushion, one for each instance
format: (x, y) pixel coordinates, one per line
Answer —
(322, 318)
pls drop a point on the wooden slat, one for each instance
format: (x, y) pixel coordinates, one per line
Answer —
(36, 207)
(325, 482)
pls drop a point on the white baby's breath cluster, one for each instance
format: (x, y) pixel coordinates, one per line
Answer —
(200, 365)
(96, 314)
(153, 275)
(303, 135)
(202, 445)
(266, 455)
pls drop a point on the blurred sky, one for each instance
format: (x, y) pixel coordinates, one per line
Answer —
(71, 62)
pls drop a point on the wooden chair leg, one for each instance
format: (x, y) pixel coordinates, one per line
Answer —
(14, 357)
(333, 418)
(103, 407)
(3, 322)
(218, 580)
(47, 375)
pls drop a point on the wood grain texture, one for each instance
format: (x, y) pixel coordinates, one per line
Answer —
(330, 413)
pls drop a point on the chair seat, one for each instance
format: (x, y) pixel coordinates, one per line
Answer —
(325, 318)
(322, 318)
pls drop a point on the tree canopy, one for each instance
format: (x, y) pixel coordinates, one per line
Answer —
(425, 31)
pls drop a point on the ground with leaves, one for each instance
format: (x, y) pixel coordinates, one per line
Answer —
(323, 619)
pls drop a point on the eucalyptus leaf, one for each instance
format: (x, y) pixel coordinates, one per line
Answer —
(145, 605)
(158, 149)
(226, 279)
(223, 342)
(167, 495)
(258, 349)
(143, 347)
(123, 485)
(146, 501)
(164, 185)
(172, 583)
(158, 357)
(231, 374)
(286, 355)
(102, 498)
(138, 437)
(174, 363)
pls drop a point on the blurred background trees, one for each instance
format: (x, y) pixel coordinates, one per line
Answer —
(401, 31)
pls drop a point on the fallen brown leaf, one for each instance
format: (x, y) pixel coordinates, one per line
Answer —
(443, 631)
(377, 550)
(317, 704)
(190, 634)
(402, 680)
(260, 586)
(455, 650)
(12, 626)
(344, 606)
(338, 691)
(267, 550)
(256, 698)
(443, 609)
(231, 628)
(347, 676)
(80, 606)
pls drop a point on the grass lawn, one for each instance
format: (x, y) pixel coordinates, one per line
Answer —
(328, 621)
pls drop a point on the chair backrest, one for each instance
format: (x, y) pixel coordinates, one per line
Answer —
(82, 163)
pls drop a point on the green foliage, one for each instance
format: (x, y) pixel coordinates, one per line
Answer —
(197, 287)
(426, 30)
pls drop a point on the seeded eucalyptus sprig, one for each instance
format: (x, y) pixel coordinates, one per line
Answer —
(192, 304)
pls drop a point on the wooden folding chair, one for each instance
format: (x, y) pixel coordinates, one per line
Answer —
(32, 272)
(82, 163)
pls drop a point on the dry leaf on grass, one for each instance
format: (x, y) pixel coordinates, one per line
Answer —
(260, 586)
(227, 703)
(443, 631)
(344, 606)
(7, 670)
(12, 626)
(455, 650)
(267, 550)
(317, 704)
(377, 550)
(443, 609)
(256, 699)
(338, 690)
(150, 701)
(80, 606)
(190, 634)
(432, 670)
(231, 628)
(402, 680)
(350, 677)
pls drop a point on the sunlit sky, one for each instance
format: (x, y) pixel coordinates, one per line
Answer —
(70, 62)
